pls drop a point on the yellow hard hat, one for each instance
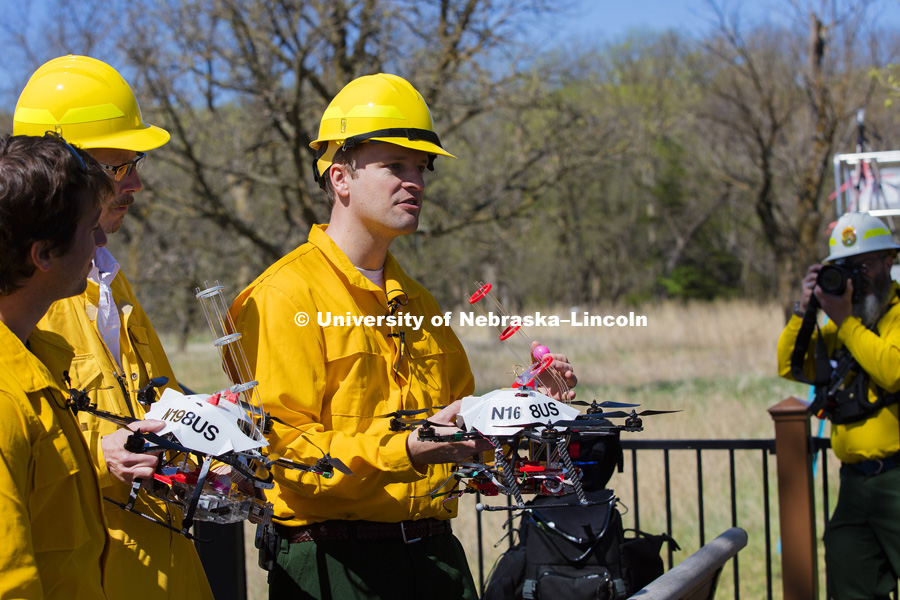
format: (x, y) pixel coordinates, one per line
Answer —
(382, 107)
(88, 103)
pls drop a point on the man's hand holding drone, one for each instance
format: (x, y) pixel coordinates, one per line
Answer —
(563, 368)
(444, 423)
(127, 466)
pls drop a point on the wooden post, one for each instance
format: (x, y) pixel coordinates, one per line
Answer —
(796, 502)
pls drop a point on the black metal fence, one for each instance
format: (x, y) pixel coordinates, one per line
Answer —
(636, 452)
(765, 448)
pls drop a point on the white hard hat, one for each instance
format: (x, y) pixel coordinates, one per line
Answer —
(858, 233)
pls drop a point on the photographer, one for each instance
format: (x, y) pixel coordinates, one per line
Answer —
(857, 389)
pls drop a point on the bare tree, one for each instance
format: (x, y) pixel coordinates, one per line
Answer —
(603, 172)
(778, 99)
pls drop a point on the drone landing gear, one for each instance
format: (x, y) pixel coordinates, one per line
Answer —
(132, 510)
(562, 448)
(509, 478)
(188, 520)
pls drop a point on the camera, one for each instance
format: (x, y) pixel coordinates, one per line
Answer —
(833, 280)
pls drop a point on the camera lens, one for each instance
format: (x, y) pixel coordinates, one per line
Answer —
(832, 280)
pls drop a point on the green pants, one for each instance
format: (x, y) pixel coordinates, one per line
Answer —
(434, 568)
(862, 539)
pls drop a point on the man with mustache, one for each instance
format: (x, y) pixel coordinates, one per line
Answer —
(862, 538)
(102, 339)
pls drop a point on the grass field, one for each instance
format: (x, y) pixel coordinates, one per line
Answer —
(715, 362)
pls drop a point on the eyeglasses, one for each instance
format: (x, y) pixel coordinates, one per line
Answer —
(120, 172)
(868, 265)
(55, 136)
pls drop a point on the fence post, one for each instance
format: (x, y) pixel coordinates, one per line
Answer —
(223, 558)
(796, 502)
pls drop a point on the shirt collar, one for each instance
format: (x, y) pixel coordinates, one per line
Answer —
(104, 267)
(394, 277)
(21, 364)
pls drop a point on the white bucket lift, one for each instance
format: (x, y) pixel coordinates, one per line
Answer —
(870, 182)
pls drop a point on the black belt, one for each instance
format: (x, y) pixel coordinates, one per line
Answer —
(874, 467)
(407, 531)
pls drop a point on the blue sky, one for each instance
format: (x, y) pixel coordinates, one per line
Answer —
(584, 21)
(609, 19)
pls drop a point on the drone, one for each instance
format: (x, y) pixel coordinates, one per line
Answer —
(531, 433)
(226, 428)
(202, 429)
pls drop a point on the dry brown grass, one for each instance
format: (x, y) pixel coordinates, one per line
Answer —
(715, 362)
(680, 341)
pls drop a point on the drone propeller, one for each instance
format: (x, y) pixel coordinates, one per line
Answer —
(400, 425)
(80, 401)
(397, 414)
(120, 420)
(594, 405)
(324, 466)
(616, 414)
(427, 433)
(135, 443)
(632, 418)
(336, 463)
(147, 394)
(327, 461)
(601, 416)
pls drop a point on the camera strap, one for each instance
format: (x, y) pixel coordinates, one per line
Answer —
(833, 400)
(801, 345)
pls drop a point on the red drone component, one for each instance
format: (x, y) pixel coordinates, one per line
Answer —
(487, 489)
(480, 293)
(231, 397)
(529, 377)
(214, 399)
(185, 478)
(553, 487)
(532, 467)
(509, 331)
(575, 449)
(546, 361)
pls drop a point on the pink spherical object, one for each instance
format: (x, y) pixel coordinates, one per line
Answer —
(540, 351)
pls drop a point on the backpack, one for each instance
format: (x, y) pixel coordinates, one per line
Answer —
(641, 560)
(575, 552)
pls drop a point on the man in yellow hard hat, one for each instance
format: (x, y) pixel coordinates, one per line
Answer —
(102, 339)
(383, 532)
(52, 528)
(853, 361)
